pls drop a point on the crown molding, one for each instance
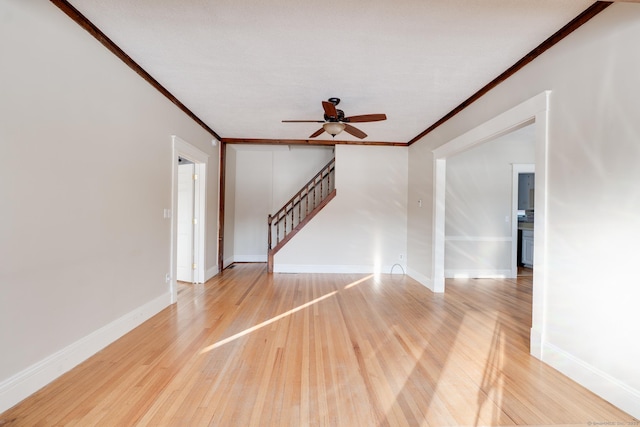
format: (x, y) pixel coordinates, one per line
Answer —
(92, 29)
(573, 25)
(309, 142)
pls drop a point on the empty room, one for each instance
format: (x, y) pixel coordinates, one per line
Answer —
(364, 213)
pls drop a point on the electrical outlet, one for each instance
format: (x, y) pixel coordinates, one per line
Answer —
(167, 278)
(401, 257)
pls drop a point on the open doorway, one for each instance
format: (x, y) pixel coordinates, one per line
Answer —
(479, 218)
(187, 221)
(533, 110)
(523, 208)
(188, 225)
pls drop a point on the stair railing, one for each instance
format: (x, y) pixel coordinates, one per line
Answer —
(287, 220)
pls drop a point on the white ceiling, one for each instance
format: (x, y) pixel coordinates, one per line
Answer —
(242, 66)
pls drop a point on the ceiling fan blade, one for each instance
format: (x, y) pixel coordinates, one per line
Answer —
(317, 133)
(329, 109)
(303, 121)
(366, 118)
(354, 131)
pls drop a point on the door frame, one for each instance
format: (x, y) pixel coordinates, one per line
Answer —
(534, 110)
(181, 148)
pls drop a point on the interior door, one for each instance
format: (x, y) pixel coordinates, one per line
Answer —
(184, 270)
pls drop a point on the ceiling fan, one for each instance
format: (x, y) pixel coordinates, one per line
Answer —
(335, 122)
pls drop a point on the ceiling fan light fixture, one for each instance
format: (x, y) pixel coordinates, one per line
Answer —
(333, 128)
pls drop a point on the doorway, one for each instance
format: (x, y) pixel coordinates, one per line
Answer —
(523, 214)
(479, 217)
(533, 110)
(188, 221)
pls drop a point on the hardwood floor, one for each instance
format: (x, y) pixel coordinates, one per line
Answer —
(252, 349)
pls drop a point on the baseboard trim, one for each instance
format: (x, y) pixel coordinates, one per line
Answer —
(210, 273)
(250, 258)
(227, 262)
(420, 278)
(343, 269)
(604, 385)
(477, 274)
(28, 381)
(535, 343)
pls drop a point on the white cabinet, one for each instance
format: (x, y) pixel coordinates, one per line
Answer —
(527, 248)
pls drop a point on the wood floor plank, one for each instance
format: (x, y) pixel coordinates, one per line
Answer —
(253, 349)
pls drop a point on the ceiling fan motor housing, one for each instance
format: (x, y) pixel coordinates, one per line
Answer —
(339, 118)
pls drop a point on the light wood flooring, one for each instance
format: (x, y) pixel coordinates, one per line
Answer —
(252, 349)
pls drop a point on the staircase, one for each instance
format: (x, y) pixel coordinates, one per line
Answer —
(300, 209)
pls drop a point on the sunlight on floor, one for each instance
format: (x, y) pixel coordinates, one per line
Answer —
(493, 380)
(468, 364)
(280, 316)
(357, 282)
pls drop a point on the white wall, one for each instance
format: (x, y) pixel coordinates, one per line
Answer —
(266, 177)
(254, 188)
(364, 228)
(591, 322)
(85, 178)
(478, 198)
(294, 168)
